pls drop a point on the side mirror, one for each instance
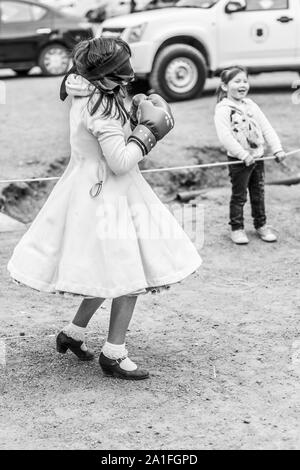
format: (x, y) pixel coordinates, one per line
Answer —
(233, 7)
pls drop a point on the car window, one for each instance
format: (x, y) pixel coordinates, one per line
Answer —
(16, 12)
(254, 5)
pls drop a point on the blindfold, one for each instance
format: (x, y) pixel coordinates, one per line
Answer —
(111, 73)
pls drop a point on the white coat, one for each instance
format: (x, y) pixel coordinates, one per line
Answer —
(122, 241)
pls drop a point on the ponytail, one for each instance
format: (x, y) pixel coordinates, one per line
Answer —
(220, 93)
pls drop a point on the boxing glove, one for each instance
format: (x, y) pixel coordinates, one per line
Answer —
(158, 101)
(155, 120)
(136, 100)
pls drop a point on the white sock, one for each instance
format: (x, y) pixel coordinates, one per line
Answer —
(77, 333)
(116, 351)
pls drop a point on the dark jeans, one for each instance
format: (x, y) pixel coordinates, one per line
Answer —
(253, 179)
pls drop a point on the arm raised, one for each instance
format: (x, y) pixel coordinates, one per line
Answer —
(121, 157)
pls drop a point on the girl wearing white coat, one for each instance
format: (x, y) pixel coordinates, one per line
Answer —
(103, 233)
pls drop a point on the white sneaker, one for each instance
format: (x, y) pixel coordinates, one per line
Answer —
(239, 237)
(266, 234)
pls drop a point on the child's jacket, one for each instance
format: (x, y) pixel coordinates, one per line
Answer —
(120, 242)
(243, 129)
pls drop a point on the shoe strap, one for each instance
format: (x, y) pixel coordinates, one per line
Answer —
(120, 359)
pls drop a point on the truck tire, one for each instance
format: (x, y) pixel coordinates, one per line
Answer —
(179, 73)
(54, 60)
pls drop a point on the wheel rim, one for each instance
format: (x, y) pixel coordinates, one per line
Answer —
(181, 75)
(56, 61)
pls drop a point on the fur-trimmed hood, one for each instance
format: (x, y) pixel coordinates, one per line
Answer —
(76, 85)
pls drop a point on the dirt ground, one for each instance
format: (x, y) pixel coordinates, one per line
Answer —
(222, 347)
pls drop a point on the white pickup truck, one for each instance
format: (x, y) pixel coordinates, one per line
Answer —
(178, 48)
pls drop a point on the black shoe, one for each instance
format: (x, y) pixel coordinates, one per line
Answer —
(64, 342)
(112, 367)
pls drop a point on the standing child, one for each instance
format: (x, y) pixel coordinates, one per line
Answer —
(243, 129)
(103, 233)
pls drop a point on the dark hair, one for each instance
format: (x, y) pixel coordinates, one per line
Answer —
(89, 54)
(226, 76)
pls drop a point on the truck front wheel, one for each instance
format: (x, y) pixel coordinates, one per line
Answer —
(179, 73)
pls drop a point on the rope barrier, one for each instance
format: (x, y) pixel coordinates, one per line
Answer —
(29, 180)
(154, 170)
(213, 165)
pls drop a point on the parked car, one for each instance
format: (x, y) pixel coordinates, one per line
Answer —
(99, 10)
(92, 10)
(155, 4)
(176, 49)
(96, 10)
(124, 7)
(83, 8)
(34, 34)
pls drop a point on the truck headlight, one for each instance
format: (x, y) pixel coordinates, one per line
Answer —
(136, 32)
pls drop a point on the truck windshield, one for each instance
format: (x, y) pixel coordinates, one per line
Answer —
(196, 3)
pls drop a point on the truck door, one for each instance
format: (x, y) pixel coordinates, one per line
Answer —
(263, 35)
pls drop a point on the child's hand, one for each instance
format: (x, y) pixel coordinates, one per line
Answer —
(249, 160)
(280, 156)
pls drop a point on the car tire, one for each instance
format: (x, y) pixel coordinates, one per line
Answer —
(22, 72)
(179, 73)
(54, 60)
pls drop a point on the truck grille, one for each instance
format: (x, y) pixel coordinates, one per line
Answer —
(112, 32)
